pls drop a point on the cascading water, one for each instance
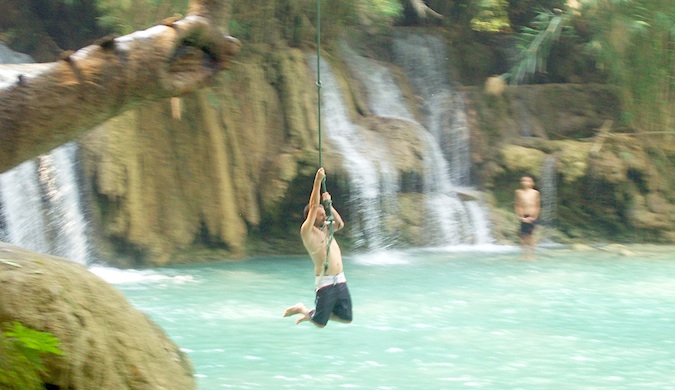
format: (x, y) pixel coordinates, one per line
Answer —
(41, 206)
(23, 212)
(525, 123)
(58, 176)
(40, 203)
(3, 225)
(372, 178)
(455, 221)
(424, 60)
(549, 192)
(9, 56)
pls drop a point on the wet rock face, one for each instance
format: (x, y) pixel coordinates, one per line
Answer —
(613, 183)
(107, 343)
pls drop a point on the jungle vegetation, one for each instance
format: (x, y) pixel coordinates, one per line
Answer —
(629, 43)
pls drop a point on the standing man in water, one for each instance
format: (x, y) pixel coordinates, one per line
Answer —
(333, 300)
(527, 207)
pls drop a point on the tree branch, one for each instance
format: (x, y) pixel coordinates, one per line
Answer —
(422, 10)
(45, 105)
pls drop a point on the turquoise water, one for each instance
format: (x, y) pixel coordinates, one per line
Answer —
(425, 319)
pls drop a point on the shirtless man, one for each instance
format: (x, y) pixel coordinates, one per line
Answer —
(333, 300)
(527, 207)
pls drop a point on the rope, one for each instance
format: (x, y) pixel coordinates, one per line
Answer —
(327, 204)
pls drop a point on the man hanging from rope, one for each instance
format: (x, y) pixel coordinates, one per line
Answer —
(333, 300)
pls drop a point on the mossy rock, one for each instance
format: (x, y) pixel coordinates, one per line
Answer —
(16, 371)
(572, 157)
(521, 159)
(106, 342)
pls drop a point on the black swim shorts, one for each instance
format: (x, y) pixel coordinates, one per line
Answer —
(526, 228)
(333, 299)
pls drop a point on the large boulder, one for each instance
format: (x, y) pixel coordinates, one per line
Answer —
(107, 343)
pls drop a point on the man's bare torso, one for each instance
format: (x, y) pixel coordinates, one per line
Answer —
(528, 201)
(316, 247)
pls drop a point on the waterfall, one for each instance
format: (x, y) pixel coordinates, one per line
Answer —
(373, 180)
(3, 225)
(41, 206)
(9, 56)
(424, 60)
(455, 221)
(526, 120)
(23, 213)
(549, 192)
(58, 175)
(40, 203)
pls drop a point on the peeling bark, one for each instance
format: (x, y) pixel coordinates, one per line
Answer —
(45, 105)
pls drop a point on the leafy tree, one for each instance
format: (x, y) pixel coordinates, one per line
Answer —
(632, 42)
(629, 41)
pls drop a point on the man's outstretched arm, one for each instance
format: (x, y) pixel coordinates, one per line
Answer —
(313, 203)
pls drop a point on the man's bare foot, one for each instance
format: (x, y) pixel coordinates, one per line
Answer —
(296, 309)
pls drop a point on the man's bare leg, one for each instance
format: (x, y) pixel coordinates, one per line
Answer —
(528, 247)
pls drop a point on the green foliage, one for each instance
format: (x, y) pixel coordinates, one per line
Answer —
(492, 16)
(32, 343)
(629, 41)
(262, 21)
(127, 16)
(16, 372)
(241, 30)
(633, 43)
(336, 14)
(522, 12)
(362, 13)
(383, 10)
(535, 44)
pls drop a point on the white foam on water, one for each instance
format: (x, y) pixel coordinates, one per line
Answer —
(130, 276)
(483, 248)
(382, 258)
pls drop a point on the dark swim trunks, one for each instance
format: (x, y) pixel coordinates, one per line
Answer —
(526, 228)
(333, 299)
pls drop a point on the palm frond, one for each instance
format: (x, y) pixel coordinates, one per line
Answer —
(536, 45)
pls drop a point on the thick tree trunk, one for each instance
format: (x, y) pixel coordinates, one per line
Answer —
(45, 105)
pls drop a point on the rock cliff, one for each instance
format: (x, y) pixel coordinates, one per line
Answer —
(228, 176)
(611, 181)
(107, 343)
